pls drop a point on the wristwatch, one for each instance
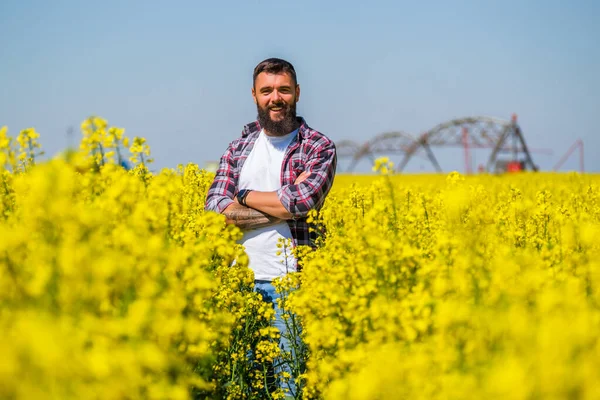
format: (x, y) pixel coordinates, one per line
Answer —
(241, 196)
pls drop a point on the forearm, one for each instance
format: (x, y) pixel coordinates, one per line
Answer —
(268, 203)
(247, 218)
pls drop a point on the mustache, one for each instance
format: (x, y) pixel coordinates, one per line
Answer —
(278, 105)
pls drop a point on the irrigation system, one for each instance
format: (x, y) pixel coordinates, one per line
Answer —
(505, 139)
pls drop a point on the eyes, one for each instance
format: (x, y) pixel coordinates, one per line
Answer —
(283, 90)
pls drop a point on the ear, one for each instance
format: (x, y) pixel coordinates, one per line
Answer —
(297, 92)
(254, 95)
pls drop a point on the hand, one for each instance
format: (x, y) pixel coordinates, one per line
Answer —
(302, 177)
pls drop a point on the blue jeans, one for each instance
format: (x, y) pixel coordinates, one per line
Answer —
(270, 295)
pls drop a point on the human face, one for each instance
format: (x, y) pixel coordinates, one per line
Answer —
(276, 96)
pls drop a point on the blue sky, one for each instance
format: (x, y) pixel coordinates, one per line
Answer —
(179, 73)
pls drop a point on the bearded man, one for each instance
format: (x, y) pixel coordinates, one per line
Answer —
(270, 177)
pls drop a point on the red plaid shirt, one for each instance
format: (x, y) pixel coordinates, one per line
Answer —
(309, 151)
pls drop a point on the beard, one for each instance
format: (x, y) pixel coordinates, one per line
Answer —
(278, 128)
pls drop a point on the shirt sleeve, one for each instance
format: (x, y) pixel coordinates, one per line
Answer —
(310, 194)
(222, 190)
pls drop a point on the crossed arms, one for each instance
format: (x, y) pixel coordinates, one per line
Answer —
(264, 209)
(267, 208)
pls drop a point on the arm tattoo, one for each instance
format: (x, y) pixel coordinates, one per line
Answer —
(247, 218)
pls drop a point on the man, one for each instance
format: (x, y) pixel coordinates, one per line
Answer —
(271, 177)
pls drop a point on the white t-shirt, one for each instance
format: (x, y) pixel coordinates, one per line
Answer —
(262, 171)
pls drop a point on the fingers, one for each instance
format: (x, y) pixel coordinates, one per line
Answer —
(301, 177)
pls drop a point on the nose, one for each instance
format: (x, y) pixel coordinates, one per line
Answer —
(275, 96)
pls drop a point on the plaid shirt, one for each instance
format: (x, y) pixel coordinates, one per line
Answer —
(310, 151)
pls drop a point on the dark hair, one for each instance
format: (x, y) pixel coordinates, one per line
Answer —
(274, 66)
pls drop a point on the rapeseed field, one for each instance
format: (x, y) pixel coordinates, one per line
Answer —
(117, 284)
